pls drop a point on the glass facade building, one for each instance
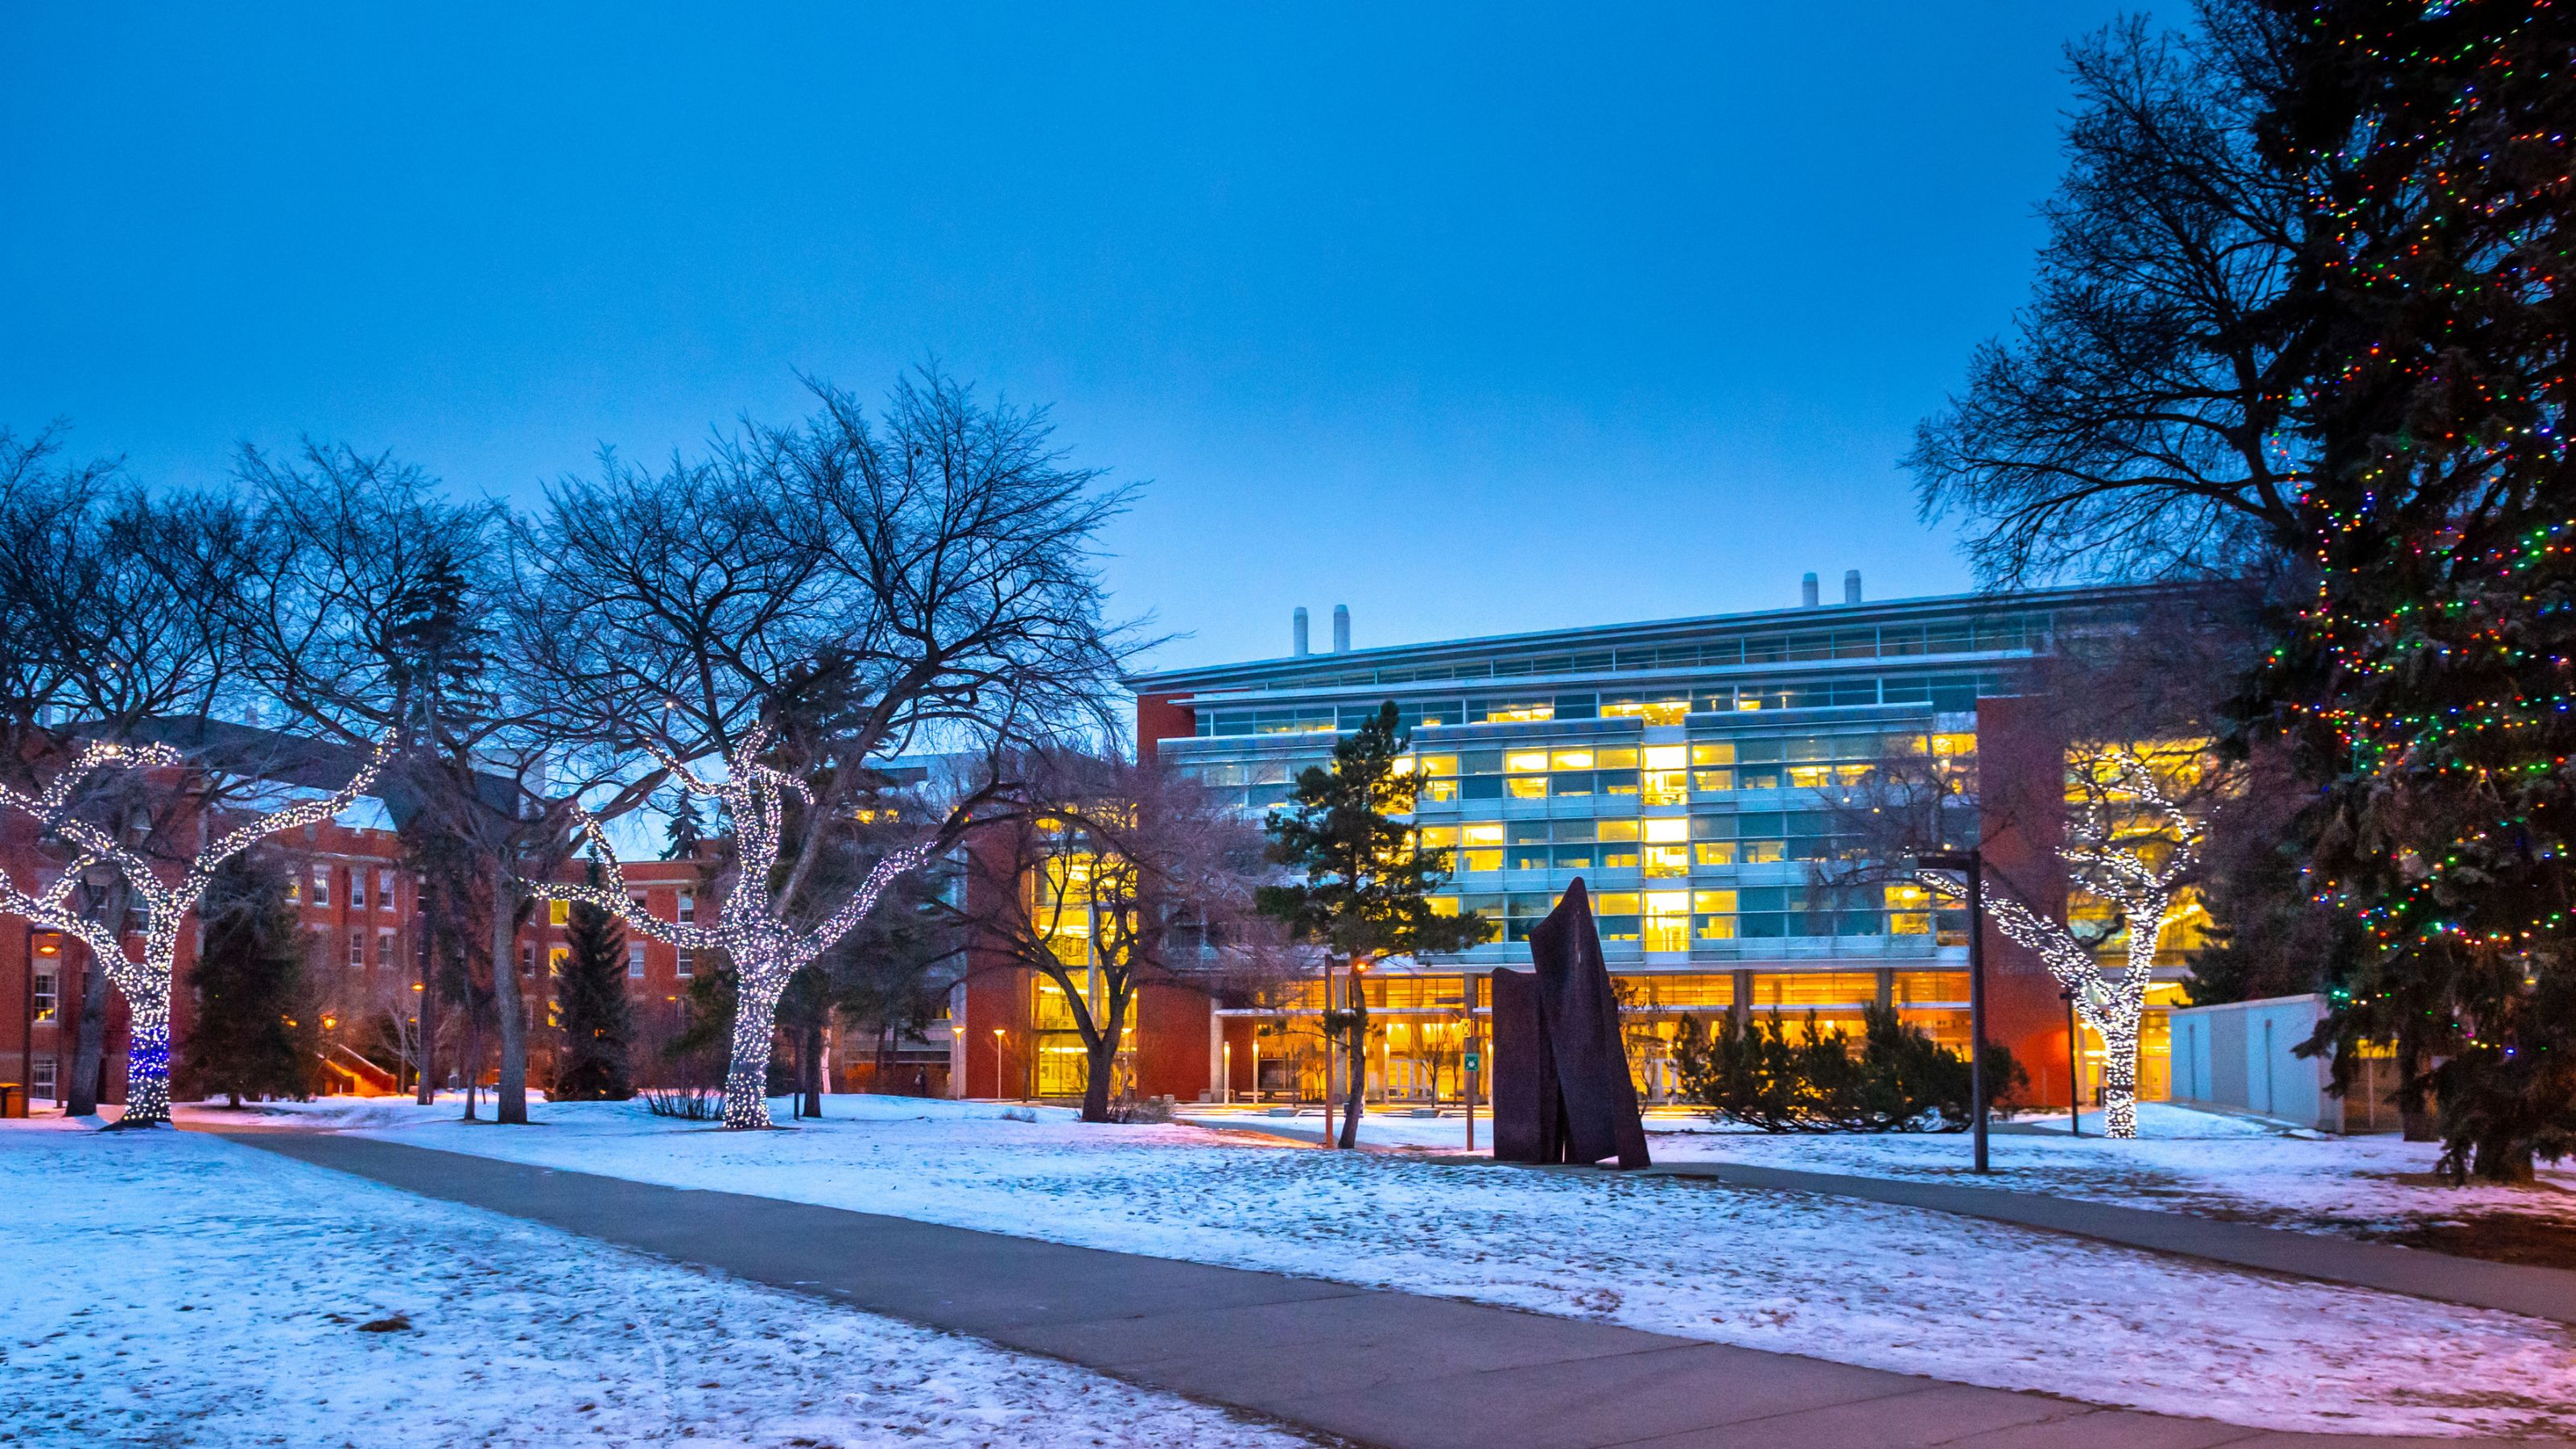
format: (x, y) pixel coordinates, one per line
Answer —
(1685, 770)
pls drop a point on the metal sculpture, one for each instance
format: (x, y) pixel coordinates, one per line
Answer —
(1562, 1092)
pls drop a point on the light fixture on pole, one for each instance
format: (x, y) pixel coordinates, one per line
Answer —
(1972, 864)
(998, 1093)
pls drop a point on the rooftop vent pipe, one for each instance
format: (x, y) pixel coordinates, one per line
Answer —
(1807, 591)
(1341, 628)
(1851, 586)
(1297, 631)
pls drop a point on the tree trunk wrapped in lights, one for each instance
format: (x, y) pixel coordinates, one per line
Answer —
(752, 927)
(145, 983)
(2129, 844)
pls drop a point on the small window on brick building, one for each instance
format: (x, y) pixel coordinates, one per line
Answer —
(357, 951)
(528, 959)
(683, 960)
(321, 885)
(688, 908)
(635, 960)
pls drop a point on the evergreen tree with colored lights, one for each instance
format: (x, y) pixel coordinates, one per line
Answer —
(1363, 884)
(2428, 680)
(597, 1023)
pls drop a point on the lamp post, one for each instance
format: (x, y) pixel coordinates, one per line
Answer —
(1228, 1054)
(2074, 1074)
(998, 1093)
(1972, 864)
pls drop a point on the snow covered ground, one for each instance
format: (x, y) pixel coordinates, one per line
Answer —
(1857, 1282)
(2182, 1161)
(172, 1288)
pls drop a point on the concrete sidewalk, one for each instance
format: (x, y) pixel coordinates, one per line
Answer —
(2513, 1287)
(1381, 1368)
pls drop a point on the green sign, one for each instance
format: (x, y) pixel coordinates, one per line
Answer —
(1472, 1060)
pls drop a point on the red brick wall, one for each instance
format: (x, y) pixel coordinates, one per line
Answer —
(1157, 718)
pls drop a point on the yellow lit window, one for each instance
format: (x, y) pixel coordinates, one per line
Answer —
(1954, 745)
(1712, 780)
(1715, 852)
(1748, 701)
(1443, 905)
(1522, 713)
(1723, 901)
(1810, 777)
(1907, 896)
(1527, 787)
(1652, 711)
(1714, 928)
(1436, 837)
(559, 913)
(1615, 903)
(1436, 790)
(1721, 752)
(1487, 834)
(1667, 831)
(1571, 760)
(1615, 830)
(1476, 860)
(1522, 762)
(1623, 759)
(1667, 860)
(1666, 757)
(1438, 766)
(1664, 787)
(1909, 923)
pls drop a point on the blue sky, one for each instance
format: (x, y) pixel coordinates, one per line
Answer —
(1476, 319)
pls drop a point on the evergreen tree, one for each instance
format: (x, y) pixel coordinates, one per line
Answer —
(2429, 679)
(597, 1023)
(1365, 888)
(255, 1031)
(686, 832)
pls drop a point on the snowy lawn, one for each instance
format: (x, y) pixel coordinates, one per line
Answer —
(170, 1288)
(2202, 1163)
(1862, 1283)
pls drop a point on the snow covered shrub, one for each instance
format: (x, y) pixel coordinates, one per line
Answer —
(1894, 1079)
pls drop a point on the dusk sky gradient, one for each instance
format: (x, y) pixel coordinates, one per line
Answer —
(1476, 319)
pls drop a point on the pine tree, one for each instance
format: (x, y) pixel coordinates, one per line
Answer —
(686, 832)
(597, 1023)
(2429, 679)
(1366, 886)
(254, 1032)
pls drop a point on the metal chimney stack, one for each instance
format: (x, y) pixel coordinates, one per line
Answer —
(1807, 591)
(1297, 631)
(1341, 628)
(1851, 586)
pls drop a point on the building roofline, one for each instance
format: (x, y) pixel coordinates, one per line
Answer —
(1214, 676)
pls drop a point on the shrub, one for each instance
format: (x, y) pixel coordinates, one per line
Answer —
(1898, 1079)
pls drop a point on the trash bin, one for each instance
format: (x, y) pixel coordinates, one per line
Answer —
(13, 1100)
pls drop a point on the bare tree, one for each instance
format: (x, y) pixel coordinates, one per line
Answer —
(370, 618)
(2139, 422)
(769, 625)
(144, 979)
(1119, 876)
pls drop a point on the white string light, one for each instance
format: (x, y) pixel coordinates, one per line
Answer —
(751, 926)
(2108, 862)
(144, 983)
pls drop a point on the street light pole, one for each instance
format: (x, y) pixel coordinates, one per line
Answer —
(2074, 1074)
(1972, 864)
(998, 1094)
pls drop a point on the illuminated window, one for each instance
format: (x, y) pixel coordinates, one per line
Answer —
(1526, 787)
(295, 890)
(559, 913)
(1665, 757)
(1623, 759)
(48, 991)
(1570, 760)
(1951, 746)
(635, 960)
(321, 885)
(1487, 833)
(1666, 831)
(1667, 860)
(1521, 762)
(555, 959)
(1520, 713)
(1714, 852)
(1652, 711)
(1712, 780)
(1810, 777)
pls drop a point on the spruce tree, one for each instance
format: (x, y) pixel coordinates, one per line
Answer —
(1364, 888)
(2428, 680)
(254, 1031)
(597, 1023)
